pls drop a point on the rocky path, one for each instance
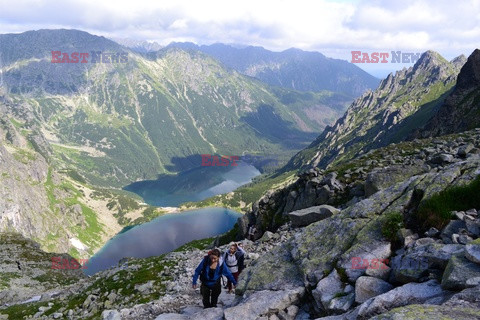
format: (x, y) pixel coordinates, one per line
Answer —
(181, 301)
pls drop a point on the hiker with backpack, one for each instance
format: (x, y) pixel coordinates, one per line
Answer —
(234, 259)
(210, 271)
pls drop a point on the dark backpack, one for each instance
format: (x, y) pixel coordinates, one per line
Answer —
(203, 276)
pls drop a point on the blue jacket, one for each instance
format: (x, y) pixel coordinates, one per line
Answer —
(219, 271)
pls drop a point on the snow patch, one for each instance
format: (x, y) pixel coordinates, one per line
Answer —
(78, 244)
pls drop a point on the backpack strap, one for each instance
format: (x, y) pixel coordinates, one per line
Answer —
(203, 273)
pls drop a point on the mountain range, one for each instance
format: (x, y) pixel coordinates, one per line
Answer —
(69, 130)
(393, 180)
(387, 228)
(152, 114)
(292, 68)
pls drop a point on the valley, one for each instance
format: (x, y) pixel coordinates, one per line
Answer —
(107, 162)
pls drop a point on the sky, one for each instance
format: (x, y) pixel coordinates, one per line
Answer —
(334, 28)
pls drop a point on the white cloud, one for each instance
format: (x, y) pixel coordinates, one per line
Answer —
(327, 26)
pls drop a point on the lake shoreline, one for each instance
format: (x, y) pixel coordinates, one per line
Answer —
(162, 235)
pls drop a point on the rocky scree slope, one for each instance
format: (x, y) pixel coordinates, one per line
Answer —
(26, 271)
(310, 271)
(137, 288)
(422, 267)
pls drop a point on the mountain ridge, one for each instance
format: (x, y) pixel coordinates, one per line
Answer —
(284, 68)
(460, 110)
(171, 84)
(72, 134)
(385, 115)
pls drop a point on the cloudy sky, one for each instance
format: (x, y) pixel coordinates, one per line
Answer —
(334, 28)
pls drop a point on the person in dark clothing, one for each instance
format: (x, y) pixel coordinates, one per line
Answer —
(252, 230)
(234, 259)
(210, 271)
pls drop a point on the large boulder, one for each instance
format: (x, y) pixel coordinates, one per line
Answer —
(416, 312)
(459, 272)
(369, 287)
(327, 289)
(415, 263)
(318, 245)
(468, 298)
(341, 304)
(410, 293)
(382, 178)
(442, 158)
(110, 315)
(304, 217)
(472, 251)
(263, 302)
(452, 227)
(172, 316)
(274, 270)
(208, 314)
(367, 247)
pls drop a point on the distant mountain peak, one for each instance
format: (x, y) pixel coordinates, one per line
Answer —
(430, 59)
(141, 46)
(459, 61)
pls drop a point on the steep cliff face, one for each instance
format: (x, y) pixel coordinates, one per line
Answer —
(39, 200)
(461, 110)
(400, 104)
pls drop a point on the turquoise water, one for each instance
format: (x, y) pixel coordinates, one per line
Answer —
(162, 235)
(193, 185)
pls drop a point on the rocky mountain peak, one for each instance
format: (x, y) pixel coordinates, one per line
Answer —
(429, 57)
(460, 111)
(401, 102)
(433, 63)
(470, 73)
